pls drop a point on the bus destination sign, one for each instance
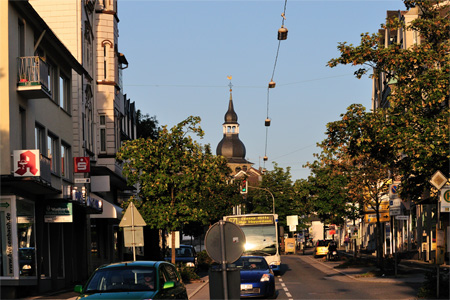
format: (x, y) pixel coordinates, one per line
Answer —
(251, 220)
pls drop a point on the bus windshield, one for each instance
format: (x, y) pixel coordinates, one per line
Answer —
(260, 240)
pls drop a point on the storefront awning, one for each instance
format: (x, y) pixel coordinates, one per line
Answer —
(110, 211)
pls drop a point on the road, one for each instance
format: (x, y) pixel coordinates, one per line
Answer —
(305, 277)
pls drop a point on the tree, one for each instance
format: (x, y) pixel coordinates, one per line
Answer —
(416, 121)
(147, 127)
(356, 150)
(177, 177)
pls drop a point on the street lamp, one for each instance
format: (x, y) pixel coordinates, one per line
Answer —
(264, 189)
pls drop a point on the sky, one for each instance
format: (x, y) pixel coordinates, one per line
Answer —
(180, 54)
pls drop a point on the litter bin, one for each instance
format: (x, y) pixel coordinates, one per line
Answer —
(216, 290)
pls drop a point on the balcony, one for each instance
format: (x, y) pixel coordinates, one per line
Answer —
(32, 79)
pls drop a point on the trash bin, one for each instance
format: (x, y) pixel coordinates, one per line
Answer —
(216, 290)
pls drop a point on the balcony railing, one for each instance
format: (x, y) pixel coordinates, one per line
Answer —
(32, 77)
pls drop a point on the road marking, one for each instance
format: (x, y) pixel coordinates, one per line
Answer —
(286, 290)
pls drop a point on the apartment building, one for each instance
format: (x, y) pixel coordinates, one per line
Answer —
(63, 117)
(103, 116)
(43, 231)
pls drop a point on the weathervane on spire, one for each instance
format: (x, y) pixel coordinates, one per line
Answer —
(230, 85)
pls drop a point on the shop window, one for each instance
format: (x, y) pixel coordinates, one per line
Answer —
(26, 237)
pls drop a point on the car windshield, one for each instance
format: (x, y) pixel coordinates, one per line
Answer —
(122, 279)
(251, 263)
(323, 243)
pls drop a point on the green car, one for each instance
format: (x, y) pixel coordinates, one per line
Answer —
(134, 280)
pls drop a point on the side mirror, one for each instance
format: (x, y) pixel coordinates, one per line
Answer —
(78, 289)
(168, 285)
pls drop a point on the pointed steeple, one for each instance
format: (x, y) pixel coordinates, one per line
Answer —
(231, 147)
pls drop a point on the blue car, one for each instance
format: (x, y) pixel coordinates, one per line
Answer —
(134, 280)
(186, 254)
(257, 278)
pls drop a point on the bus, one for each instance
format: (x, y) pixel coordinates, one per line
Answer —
(261, 235)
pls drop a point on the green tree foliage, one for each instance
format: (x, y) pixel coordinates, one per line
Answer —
(179, 180)
(327, 194)
(416, 121)
(356, 152)
(277, 182)
(147, 127)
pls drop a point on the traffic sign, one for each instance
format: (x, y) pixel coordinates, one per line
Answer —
(402, 217)
(132, 217)
(438, 180)
(224, 242)
(445, 199)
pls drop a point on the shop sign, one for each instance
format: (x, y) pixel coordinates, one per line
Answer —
(81, 164)
(5, 205)
(372, 218)
(384, 207)
(26, 163)
(58, 212)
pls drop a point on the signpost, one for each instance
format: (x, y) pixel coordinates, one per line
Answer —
(132, 218)
(224, 243)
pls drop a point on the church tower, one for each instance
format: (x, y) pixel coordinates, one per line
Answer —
(231, 147)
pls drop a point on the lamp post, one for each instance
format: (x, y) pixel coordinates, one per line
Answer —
(264, 189)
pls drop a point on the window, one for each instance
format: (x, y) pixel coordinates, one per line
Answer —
(23, 127)
(21, 39)
(52, 143)
(65, 159)
(105, 61)
(39, 138)
(103, 133)
(51, 77)
(64, 92)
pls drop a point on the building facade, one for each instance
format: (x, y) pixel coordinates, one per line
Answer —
(62, 107)
(43, 232)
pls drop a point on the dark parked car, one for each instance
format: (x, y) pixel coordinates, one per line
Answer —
(134, 280)
(257, 279)
(185, 254)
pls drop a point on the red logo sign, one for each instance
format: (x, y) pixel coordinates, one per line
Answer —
(27, 163)
(82, 164)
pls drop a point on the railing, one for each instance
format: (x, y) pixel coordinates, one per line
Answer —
(32, 71)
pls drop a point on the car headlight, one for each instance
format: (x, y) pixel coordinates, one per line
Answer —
(265, 277)
(275, 263)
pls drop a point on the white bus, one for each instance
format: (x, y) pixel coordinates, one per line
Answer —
(261, 235)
